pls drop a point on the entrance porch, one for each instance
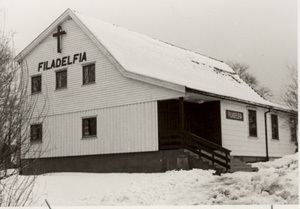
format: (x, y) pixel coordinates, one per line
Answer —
(194, 126)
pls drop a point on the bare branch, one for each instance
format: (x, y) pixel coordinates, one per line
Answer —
(243, 71)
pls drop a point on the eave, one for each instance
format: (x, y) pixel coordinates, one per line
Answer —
(228, 98)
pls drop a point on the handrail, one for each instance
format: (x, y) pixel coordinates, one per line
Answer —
(206, 142)
(197, 144)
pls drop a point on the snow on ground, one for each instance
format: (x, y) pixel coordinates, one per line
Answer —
(275, 183)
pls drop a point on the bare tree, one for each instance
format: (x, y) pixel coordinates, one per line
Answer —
(16, 115)
(290, 93)
(243, 71)
(289, 96)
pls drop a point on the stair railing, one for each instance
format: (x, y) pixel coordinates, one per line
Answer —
(204, 148)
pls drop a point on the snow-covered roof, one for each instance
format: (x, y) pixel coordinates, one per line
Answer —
(150, 58)
(153, 58)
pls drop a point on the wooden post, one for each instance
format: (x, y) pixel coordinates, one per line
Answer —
(227, 163)
(181, 118)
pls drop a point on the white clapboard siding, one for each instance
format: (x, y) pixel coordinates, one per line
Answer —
(110, 89)
(121, 129)
(283, 146)
(235, 134)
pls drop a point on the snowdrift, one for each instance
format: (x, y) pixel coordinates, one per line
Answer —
(275, 182)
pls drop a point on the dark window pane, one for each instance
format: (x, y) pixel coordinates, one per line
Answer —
(36, 84)
(252, 123)
(85, 127)
(89, 74)
(293, 126)
(89, 127)
(36, 132)
(61, 79)
(274, 122)
(93, 126)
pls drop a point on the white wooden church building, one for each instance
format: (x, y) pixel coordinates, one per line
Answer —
(118, 101)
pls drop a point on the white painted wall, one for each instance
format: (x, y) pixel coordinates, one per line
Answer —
(128, 128)
(111, 87)
(126, 108)
(235, 134)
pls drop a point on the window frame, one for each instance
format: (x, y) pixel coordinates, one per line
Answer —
(93, 135)
(275, 135)
(40, 129)
(83, 73)
(249, 125)
(293, 129)
(56, 79)
(40, 88)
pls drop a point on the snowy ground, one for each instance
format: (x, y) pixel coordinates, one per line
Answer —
(275, 183)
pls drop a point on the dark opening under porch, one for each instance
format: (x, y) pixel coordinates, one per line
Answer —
(203, 120)
(192, 126)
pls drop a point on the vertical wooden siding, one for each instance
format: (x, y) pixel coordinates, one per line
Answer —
(111, 88)
(125, 108)
(235, 134)
(121, 129)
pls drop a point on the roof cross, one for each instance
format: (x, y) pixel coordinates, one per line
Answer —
(59, 35)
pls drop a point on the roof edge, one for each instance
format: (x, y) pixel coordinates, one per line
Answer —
(239, 100)
(70, 14)
(43, 34)
(116, 63)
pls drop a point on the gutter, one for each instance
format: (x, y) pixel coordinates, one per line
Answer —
(266, 135)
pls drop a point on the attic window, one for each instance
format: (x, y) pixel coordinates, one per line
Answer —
(36, 84)
(88, 74)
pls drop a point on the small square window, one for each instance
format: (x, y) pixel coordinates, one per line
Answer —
(89, 127)
(36, 133)
(88, 74)
(274, 123)
(252, 123)
(61, 79)
(36, 84)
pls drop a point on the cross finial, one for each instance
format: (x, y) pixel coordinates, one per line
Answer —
(58, 35)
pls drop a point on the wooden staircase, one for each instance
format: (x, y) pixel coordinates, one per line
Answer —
(204, 154)
(217, 157)
(240, 165)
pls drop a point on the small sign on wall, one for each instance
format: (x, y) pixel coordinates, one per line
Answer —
(234, 115)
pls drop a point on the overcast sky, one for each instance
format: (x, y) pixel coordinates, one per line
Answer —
(260, 33)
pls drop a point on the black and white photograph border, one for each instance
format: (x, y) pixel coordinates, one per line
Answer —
(146, 103)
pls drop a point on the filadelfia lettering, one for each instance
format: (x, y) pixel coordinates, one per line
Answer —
(61, 62)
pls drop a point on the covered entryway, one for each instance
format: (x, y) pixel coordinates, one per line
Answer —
(203, 120)
(192, 126)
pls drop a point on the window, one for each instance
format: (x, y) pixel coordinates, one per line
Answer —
(252, 123)
(88, 74)
(293, 126)
(36, 84)
(61, 79)
(89, 127)
(274, 123)
(36, 132)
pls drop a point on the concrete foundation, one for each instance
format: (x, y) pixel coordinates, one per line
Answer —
(144, 162)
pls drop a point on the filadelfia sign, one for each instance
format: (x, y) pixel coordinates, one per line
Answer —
(61, 62)
(234, 115)
(64, 61)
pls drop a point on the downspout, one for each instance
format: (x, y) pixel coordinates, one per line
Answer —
(266, 135)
